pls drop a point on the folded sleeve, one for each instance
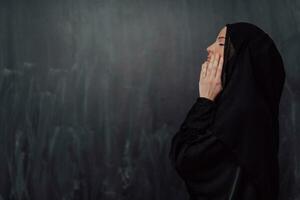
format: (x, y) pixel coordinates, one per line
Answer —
(194, 146)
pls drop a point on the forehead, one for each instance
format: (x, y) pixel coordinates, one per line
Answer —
(222, 32)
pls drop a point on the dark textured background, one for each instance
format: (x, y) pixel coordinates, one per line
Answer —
(91, 92)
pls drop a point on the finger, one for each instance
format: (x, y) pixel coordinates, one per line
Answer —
(204, 69)
(219, 69)
(210, 65)
(215, 65)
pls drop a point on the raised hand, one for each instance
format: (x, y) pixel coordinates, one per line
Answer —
(210, 77)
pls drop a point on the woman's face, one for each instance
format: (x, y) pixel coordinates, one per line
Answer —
(218, 45)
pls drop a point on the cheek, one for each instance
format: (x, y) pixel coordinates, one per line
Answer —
(220, 50)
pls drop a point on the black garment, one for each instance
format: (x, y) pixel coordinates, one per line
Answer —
(217, 175)
(238, 131)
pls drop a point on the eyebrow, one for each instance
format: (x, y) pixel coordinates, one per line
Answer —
(221, 37)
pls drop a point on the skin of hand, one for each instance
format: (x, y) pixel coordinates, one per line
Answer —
(210, 76)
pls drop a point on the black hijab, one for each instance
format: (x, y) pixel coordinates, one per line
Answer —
(246, 117)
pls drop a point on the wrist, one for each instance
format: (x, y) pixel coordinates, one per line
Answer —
(206, 97)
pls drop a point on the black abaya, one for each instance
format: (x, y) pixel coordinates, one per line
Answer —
(228, 148)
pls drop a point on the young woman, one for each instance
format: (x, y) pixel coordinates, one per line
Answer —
(227, 146)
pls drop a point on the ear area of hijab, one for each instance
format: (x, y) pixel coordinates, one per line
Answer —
(268, 69)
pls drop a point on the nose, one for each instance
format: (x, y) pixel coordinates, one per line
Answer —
(209, 49)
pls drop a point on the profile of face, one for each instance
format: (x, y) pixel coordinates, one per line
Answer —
(218, 45)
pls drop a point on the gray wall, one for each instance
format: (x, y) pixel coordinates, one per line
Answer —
(91, 92)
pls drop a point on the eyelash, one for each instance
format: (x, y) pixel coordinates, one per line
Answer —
(221, 44)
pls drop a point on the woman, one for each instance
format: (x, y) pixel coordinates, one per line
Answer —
(227, 146)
